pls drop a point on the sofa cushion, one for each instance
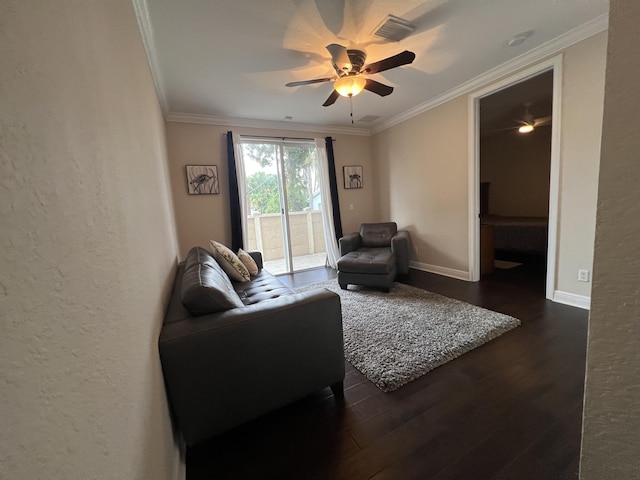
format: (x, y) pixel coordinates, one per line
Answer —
(377, 234)
(248, 261)
(229, 262)
(205, 286)
(262, 287)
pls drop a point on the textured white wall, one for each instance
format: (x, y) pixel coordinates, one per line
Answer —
(611, 430)
(582, 104)
(422, 182)
(88, 246)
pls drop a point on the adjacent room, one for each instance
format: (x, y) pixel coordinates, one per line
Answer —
(515, 173)
(319, 239)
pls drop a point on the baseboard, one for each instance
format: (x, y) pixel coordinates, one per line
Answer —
(575, 300)
(566, 298)
(447, 272)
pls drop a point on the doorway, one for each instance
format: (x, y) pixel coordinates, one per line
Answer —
(514, 173)
(283, 198)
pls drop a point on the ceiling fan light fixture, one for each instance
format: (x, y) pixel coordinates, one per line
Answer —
(527, 128)
(349, 85)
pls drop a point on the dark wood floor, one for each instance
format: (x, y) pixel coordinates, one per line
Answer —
(510, 409)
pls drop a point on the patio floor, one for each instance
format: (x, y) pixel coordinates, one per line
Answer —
(301, 262)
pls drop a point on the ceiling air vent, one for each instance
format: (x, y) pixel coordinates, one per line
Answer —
(369, 118)
(394, 28)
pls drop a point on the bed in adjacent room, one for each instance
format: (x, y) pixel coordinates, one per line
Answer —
(519, 234)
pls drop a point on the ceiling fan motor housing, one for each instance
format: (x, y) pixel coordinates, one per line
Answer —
(350, 68)
(357, 58)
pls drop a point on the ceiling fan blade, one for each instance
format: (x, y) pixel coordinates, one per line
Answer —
(503, 129)
(332, 99)
(542, 121)
(309, 82)
(377, 87)
(339, 58)
(402, 58)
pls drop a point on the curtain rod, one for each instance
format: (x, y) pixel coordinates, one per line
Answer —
(272, 137)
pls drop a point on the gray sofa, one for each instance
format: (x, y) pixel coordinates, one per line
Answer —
(231, 352)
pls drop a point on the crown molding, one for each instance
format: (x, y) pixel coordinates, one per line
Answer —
(146, 32)
(552, 47)
(266, 124)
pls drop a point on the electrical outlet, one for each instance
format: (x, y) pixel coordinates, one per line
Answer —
(583, 275)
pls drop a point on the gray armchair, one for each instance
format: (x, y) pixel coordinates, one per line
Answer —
(374, 255)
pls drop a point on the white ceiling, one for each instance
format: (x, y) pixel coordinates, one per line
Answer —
(231, 59)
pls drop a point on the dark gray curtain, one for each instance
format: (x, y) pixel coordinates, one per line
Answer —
(234, 197)
(333, 185)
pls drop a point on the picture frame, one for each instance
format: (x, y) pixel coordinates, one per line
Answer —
(352, 176)
(202, 179)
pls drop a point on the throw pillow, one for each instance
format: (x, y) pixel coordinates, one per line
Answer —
(229, 262)
(248, 261)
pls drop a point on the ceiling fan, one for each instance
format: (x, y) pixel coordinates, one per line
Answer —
(351, 69)
(528, 123)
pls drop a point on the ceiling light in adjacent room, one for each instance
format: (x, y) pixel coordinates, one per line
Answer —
(526, 128)
(350, 85)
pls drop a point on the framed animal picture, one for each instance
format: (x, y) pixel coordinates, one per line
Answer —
(352, 176)
(202, 179)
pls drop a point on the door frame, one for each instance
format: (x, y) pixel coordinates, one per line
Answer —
(555, 64)
(284, 209)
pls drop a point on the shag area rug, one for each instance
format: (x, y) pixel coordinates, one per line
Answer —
(394, 338)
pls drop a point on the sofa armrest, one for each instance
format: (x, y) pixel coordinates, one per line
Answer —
(224, 369)
(349, 243)
(401, 246)
(257, 257)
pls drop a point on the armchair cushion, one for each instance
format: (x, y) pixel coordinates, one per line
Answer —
(377, 234)
(368, 261)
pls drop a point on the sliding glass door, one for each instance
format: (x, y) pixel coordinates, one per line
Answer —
(283, 199)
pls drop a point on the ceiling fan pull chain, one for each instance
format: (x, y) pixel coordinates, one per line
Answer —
(351, 107)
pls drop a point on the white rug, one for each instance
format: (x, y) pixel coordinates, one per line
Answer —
(394, 338)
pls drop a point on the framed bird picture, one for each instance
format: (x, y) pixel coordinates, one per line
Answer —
(352, 176)
(202, 179)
